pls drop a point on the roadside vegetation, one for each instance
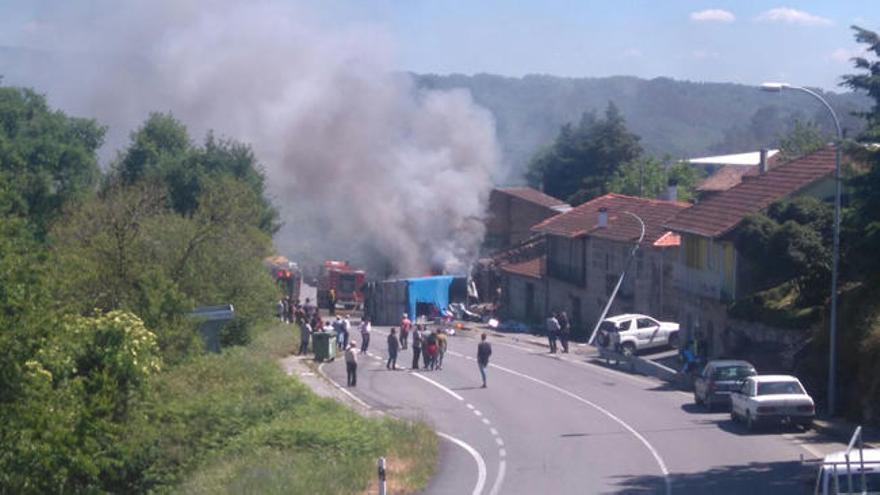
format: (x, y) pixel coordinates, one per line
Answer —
(104, 385)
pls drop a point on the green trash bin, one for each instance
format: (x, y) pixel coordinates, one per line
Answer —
(323, 345)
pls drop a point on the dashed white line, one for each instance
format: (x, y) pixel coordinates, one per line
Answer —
(477, 412)
(502, 452)
(486, 421)
(470, 406)
(494, 432)
(481, 464)
(499, 441)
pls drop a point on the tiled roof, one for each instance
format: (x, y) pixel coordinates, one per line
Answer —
(533, 196)
(584, 219)
(730, 175)
(722, 212)
(530, 268)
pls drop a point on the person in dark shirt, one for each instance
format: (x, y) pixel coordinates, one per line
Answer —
(416, 346)
(564, 330)
(484, 350)
(393, 347)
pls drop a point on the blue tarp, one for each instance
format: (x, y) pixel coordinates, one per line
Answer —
(434, 290)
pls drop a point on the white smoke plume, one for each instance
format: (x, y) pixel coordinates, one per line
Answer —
(361, 163)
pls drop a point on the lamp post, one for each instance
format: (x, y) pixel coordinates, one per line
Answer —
(835, 255)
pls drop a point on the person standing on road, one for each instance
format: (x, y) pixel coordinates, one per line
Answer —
(484, 350)
(346, 330)
(351, 365)
(552, 332)
(393, 347)
(339, 330)
(365, 334)
(441, 348)
(564, 330)
(405, 325)
(416, 347)
(331, 301)
(430, 350)
(305, 334)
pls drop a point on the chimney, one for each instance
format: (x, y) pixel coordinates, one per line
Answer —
(672, 190)
(762, 164)
(603, 217)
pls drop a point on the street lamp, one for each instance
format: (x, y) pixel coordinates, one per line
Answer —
(777, 87)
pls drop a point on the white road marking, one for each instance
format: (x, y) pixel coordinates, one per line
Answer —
(470, 406)
(604, 411)
(499, 441)
(496, 487)
(477, 412)
(486, 421)
(481, 464)
(494, 432)
(441, 387)
(341, 388)
(502, 452)
(809, 448)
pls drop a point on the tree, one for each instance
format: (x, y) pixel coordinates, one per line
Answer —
(649, 177)
(583, 159)
(803, 139)
(47, 159)
(161, 151)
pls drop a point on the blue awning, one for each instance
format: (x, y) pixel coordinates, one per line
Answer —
(433, 290)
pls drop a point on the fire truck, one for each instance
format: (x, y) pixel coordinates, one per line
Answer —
(345, 280)
(286, 274)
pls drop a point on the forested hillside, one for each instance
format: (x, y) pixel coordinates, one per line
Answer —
(679, 118)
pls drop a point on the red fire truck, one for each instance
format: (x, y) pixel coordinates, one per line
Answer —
(346, 281)
(286, 274)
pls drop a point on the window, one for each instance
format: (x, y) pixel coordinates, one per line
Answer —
(732, 373)
(696, 252)
(624, 325)
(776, 388)
(646, 323)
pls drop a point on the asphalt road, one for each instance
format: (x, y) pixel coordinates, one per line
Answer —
(559, 424)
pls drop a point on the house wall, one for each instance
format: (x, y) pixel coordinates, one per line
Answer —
(511, 219)
(648, 288)
(521, 303)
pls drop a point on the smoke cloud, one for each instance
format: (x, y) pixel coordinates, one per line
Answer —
(361, 163)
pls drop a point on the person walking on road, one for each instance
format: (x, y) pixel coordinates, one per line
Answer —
(564, 330)
(416, 347)
(484, 350)
(305, 334)
(393, 347)
(351, 365)
(441, 348)
(552, 332)
(365, 334)
(405, 326)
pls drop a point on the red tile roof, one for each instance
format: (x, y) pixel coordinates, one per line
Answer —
(722, 212)
(533, 268)
(533, 196)
(730, 175)
(584, 219)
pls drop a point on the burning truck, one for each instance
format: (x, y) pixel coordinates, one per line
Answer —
(345, 282)
(286, 274)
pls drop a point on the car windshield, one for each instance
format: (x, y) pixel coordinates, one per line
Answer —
(608, 326)
(872, 482)
(723, 373)
(776, 388)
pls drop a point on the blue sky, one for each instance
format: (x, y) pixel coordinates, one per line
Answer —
(747, 41)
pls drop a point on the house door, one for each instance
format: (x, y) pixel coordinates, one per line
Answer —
(530, 301)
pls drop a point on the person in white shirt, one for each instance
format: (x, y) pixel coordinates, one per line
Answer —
(365, 334)
(351, 365)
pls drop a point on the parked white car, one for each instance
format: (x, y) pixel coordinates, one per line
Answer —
(629, 333)
(772, 399)
(859, 475)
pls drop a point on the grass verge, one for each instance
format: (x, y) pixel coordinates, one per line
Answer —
(234, 423)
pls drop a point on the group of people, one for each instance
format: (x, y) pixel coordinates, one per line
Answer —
(430, 346)
(558, 328)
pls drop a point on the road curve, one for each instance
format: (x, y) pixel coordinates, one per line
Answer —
(559, 425)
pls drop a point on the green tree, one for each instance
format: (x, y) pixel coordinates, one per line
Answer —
(582, 160)
(803, 139)
(47, 159)
(865, 218)
(649, 177)
(161, 151)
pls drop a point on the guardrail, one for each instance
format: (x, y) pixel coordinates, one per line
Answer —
(644, 366)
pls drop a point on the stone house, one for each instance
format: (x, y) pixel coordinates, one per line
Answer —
(586, 250)
(512, 213)
(710, 273)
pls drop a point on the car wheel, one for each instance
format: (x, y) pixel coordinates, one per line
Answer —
(733, 416)
(673, 339)
(707, 404)
(750, 423)
(697, 399)
(629, 349)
